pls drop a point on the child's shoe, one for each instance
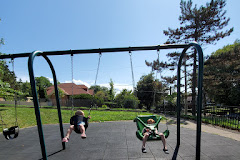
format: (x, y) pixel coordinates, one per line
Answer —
(165, 150)
(144, 150)
(83, 136)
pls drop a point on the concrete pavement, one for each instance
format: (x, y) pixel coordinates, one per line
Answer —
(116, 140)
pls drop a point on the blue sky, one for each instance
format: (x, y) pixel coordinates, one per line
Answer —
(50, 25)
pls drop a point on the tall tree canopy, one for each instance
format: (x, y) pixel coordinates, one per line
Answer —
(204, 24)
(222, 75)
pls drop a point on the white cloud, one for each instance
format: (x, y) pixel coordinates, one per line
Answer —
(123, 86)
(118, 87)
(78, 82)
(50, 79)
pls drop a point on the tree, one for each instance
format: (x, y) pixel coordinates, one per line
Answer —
(25, 87)
(102, 95)
(126, 99)
(42, 83)
(203, 25)
(97, 88)
(111, 91)
(149, 91)
(222, 75)
(8, 83)
(7, 76)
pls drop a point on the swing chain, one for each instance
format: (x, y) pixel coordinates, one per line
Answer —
(72, 84)
(99, 59)
(133, 82)
(15, 94)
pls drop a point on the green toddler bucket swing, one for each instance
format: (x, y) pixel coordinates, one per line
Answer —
(141, 122)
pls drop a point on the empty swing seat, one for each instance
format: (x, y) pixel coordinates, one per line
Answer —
(141, 122)
(11, 133)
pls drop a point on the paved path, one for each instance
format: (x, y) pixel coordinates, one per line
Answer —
(208, 128)
(116, 141)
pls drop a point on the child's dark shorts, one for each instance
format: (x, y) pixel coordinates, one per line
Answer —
(77, 127)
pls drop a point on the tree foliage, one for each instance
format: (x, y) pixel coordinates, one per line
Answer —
(82, 96)
(25, 87)
(111, 91)
(149, 91)
(42, 83)
(222, 75)
(103, 95)
(8, 84)
(126, 99)
(204, 24)
(97, 88)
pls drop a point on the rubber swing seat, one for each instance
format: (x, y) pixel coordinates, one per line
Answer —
(11, 133)
(141, 122)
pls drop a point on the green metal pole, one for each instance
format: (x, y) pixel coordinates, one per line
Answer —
(199, 99)
(57, 99)
(179, 93)
(100, 50)
(36, 103)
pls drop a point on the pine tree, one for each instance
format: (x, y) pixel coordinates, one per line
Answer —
(204, 25)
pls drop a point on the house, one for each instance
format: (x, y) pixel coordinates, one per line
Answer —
(68, 90)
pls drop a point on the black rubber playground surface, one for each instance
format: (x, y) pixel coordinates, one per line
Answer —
(115, 140)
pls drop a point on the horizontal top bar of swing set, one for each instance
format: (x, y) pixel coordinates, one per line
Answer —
(100, 50)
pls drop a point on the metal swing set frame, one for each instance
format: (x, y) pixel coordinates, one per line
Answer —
(44, 54)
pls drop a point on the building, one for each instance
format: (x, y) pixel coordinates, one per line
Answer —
(67, 90)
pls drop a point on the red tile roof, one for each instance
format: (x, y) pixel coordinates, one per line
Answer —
(83, 87)
(70, 89)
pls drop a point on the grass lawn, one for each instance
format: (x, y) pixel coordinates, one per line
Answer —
(26, 116)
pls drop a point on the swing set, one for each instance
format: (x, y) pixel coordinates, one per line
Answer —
(13, 131)
(139, 120)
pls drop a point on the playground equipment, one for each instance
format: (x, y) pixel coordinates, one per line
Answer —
(11, 132)
(185, 47)
(141, 122)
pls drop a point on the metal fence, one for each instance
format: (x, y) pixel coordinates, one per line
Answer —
(224, 116)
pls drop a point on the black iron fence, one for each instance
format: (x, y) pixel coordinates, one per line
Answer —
(224, 116)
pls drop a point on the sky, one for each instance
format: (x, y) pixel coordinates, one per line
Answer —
(52, 25)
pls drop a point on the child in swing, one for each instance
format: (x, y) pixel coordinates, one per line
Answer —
(79, 124)
(147, 132)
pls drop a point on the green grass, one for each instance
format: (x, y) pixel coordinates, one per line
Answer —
(26, 116)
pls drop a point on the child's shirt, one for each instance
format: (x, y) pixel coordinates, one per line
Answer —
(149, 131)
(78, 120)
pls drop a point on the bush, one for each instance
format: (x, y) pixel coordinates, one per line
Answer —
(83, 96)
